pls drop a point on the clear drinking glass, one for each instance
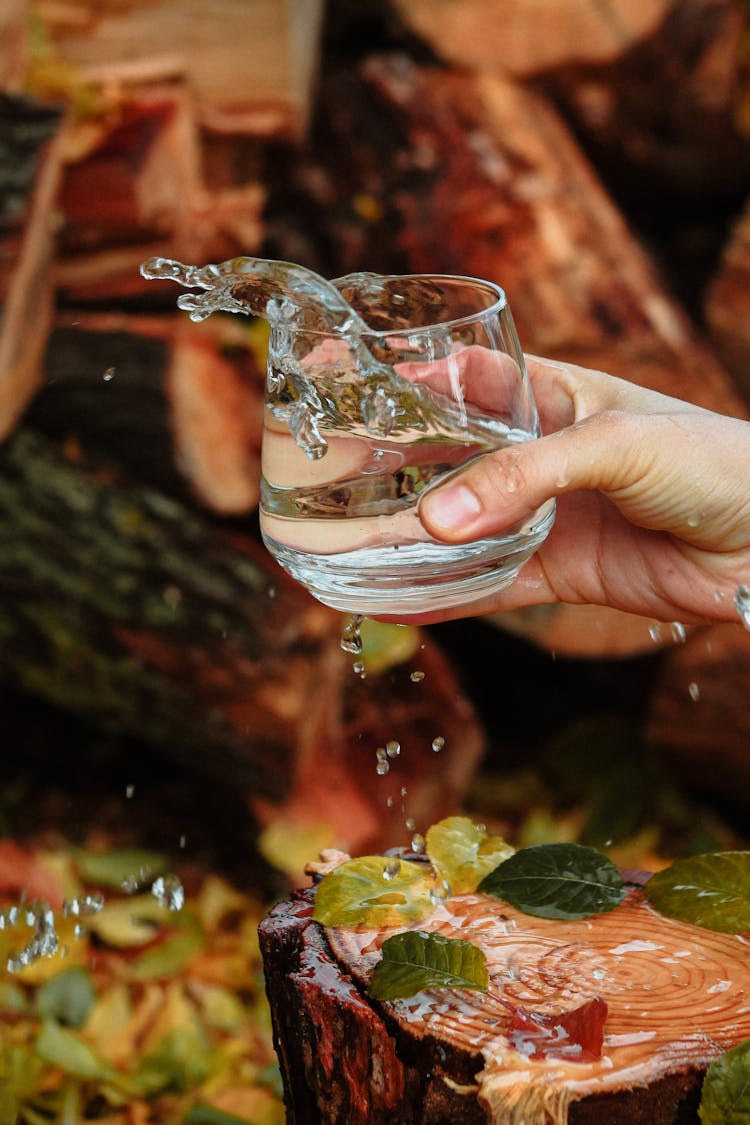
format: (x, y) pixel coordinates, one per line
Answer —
(363, 418)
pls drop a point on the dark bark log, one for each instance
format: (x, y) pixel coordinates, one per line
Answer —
(30, 169)
(700, 715)
(728, 304)
(347, 1059)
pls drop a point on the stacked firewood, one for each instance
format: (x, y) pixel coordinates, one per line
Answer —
(463, 143)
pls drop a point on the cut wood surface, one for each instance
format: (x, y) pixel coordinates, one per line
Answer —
(507, 37)
(14, 44)
(134, 187)
(675, 995)
(251, 64)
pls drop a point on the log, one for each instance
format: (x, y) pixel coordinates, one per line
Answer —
(30, 169)
(654, 86)
(728, 304)
(421, 169)
(699, 716)
(472, 34)
(251, 64)
(166, 401)
(136, 188)
(455, 1056)
(127, 610)
(14, 45)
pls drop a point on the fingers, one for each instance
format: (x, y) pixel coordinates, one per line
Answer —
(499, 490)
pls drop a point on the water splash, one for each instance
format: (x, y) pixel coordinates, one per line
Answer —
(742, 604)
(43, 942)
(169, 892)
(355, 391)
(351, 638)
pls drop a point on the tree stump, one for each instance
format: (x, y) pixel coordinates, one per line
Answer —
(675, 996)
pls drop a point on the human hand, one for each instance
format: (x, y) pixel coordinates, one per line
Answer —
(653, 508)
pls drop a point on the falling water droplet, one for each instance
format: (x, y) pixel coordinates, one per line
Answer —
(382, 767)
(391, 869)
(678, 632)
(393, 748)
(417, 843)
(440, 891)
(358, 667)
(742, 604)
(129, 791)
(655, 633)
(130, 884)
(83, 905)
(416, 677)
(694, 692)
(169, 892)
(183, 841)
(351, 638)
(108, 375)
(410, 823)
(438, 743)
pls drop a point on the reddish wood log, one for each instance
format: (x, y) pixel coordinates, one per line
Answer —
(728, 304)
(29, 178)
(654, 86)
(136, 188)
(455, 1056)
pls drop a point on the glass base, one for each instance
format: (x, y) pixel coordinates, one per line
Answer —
(412, 578)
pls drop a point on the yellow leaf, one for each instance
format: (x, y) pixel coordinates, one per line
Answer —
(374, 890)
(463, 852)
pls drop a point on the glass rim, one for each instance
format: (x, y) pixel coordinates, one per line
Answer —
(499, 305)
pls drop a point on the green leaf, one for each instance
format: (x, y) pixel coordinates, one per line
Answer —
(463, 852)
(116, 868)
(725, 1099)
(67, 997)
(208, 1115)
(373, 890)
(60, 1047)
(416, 960)
(711, 890)
(567, 881)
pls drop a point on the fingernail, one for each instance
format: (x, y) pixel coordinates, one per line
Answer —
(453, 507)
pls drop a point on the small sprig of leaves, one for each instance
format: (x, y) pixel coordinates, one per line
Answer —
(416, 960)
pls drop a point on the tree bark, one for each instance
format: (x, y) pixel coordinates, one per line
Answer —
(449, 1057)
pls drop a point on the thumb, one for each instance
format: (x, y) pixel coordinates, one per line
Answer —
(502, 488)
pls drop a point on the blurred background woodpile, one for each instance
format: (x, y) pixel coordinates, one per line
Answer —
(592, 158)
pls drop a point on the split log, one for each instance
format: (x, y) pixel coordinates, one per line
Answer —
(166, 401)
(125, 608)
(654, 86)
(728, 304)
(459, 1056)
(14, 45)
(251, 64)
(699, 715)
(419, 169)
(136, 188)
(30, 167)
(472, 34)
